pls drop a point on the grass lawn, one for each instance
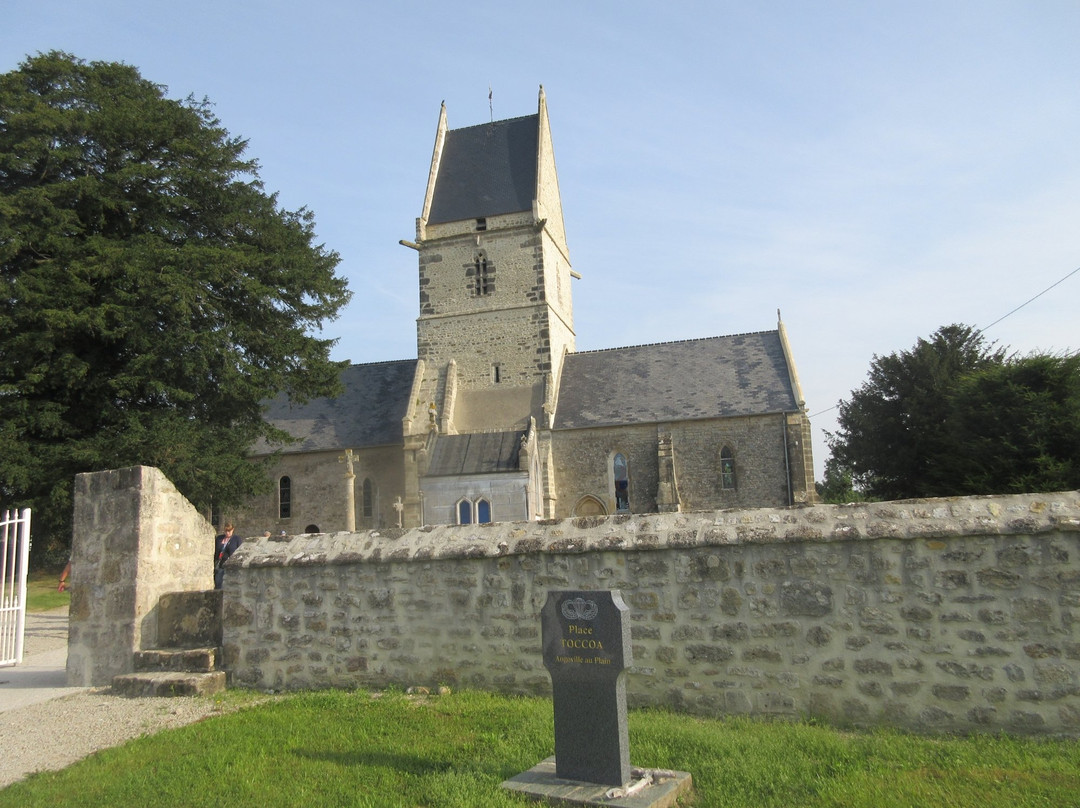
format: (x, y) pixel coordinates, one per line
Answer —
(353, 749)
(41, 594)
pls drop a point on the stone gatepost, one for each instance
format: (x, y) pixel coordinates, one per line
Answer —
(135, 539)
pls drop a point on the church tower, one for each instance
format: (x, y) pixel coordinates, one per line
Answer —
(496, 316)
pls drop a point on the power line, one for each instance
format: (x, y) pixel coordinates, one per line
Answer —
(983, 330)
(1043, 292)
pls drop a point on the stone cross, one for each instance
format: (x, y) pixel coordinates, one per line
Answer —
(399, 506)
(350, 490)
(586, 640)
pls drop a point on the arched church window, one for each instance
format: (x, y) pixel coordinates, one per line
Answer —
(284, 498)
(727, 469)
(620, 472)
(464, 512)
(368, 498)
(483, 511)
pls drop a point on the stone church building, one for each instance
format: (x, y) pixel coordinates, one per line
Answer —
(499, 418)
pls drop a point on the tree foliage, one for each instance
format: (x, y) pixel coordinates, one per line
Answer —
(1016, 427)
(956, 416)
(153, 294)
(837, 486)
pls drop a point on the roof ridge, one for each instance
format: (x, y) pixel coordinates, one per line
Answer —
(380, 362)
(676, 341)
(494, 123)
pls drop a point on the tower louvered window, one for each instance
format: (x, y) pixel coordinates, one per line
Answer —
(483, 277)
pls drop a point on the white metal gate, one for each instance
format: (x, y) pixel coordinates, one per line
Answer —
(15, 544)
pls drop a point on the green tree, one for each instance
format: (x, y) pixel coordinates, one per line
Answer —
(837, 486)
(894, 428)
(153, 293)
(1015, 427)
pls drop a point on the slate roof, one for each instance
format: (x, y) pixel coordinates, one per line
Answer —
(367, 413)
(479, 453)
(486, 170)
(742, 374)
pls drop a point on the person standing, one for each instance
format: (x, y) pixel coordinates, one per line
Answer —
(225, 544)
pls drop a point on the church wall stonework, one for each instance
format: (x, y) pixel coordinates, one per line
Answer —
(757, 443)
(583, 460)
(932, 615)
(318, 492)
(510, 325)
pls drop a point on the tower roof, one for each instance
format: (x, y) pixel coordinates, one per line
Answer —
(486, 170)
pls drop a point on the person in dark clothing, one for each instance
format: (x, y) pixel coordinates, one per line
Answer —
(225, 544)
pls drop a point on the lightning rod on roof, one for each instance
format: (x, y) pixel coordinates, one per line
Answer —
(491, 108)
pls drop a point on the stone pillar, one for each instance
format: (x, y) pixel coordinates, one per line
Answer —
(667, 492)
(350, 490)
(135, 538)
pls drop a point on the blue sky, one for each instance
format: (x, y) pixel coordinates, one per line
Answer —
(874, 170)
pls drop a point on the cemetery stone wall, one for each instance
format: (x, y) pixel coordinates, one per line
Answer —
(931, 615)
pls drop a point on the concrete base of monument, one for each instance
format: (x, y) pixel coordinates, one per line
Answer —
(650, 788)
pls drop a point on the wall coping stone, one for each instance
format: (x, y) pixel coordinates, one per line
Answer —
(951, 517)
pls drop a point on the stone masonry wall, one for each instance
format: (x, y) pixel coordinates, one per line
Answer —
(135, 539)
(953, 614)
(319, 492)
(757, 442)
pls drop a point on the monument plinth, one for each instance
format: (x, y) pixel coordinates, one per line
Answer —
(587, 650)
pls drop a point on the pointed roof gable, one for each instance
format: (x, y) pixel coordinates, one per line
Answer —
(743, 374)
(486, 170)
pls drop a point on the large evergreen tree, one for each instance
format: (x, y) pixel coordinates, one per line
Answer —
(954, 416)
(1016, 428)
(153, 293)
(894, 427)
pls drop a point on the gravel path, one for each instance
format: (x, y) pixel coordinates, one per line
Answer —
(55, 733)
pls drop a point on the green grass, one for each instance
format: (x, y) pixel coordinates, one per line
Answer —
(41, 594)
(338, 749)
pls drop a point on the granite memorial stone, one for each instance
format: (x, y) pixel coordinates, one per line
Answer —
(586, 641)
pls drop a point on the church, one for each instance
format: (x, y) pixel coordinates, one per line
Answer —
(499, 418)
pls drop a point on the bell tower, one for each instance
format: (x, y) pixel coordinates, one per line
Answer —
(496, 315)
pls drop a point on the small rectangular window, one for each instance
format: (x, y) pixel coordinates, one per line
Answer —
(496, 374)
(727, 469)
(481, 225)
